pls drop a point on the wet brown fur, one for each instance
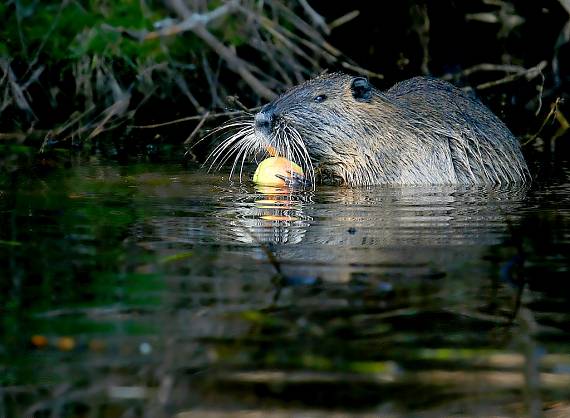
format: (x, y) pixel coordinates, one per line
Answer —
(420, 131)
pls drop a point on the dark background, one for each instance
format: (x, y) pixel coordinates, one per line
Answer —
(85, 59)
(383, 37)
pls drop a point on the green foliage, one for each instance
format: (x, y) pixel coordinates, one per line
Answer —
(68, 31)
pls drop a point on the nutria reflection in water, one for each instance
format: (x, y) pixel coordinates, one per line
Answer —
(343, 230)
(421, 131)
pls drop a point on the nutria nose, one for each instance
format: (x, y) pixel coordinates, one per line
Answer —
(264, 121)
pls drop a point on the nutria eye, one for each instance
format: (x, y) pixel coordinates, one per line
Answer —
(320, 98)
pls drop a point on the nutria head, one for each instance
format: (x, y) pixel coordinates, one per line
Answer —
(328, 116)
(421, 131)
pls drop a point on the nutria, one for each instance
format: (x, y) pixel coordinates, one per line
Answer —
(420, 131)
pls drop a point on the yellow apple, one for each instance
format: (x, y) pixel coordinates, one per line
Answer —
(266, 171)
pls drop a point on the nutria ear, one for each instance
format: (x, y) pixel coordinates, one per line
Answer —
(361, 89)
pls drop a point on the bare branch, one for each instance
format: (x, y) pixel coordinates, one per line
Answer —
(528, 74)
(196, 23)
(193, 118)
(363, 71)
(317, 19)
(173, 27)
(234, 62)
(197, 128)
(344, 19)
(487, 67)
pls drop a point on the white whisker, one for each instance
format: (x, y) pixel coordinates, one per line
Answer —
(234, 123)
(236, 149)
(246, 143)
(228, 145)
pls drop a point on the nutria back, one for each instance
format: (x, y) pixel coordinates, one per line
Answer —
(473, 143)
(420, 131)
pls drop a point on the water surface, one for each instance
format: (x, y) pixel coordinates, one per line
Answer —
(155, 290)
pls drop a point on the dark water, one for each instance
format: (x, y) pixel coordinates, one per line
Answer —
(157, 291)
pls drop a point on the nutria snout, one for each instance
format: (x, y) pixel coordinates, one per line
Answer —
(264, 121)
(420, 131)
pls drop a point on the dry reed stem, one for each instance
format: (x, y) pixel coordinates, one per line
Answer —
(18, 92)
(197, 23)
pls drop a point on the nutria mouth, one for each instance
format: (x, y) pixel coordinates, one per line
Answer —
(420, 131)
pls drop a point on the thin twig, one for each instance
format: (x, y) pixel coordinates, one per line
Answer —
(212, 84)
(183, 86)
(308, 30)
(116, 109)
(317, 19)
(486, 67)
(191, 20)
(528, 74)
(47, 36)
(197, 128)
(234, 63)
(33, 77)
(344, 19)
(234, 101)
(551, 115)
(273, 54)
(73, 120)
(197, 24)
(192, 118)
(280, 34)
(363, 71)
(299, 23)
(17, 91)
(540, 93)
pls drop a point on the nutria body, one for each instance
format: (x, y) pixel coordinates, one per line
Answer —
(420, 131)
